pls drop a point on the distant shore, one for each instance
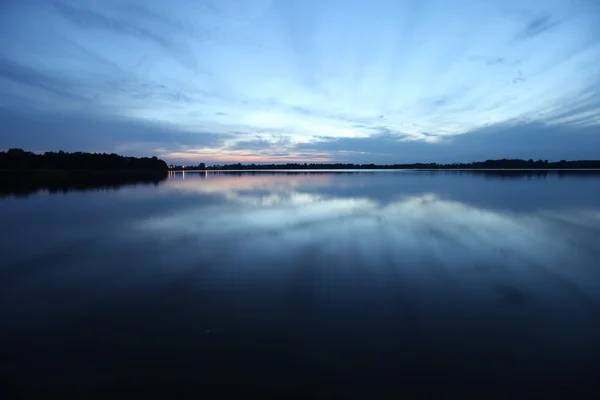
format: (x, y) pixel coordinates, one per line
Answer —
(502, 164)
(488, 172)
(485, 165)
(55, 163)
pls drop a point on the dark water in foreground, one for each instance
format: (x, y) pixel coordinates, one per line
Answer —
(369, 284)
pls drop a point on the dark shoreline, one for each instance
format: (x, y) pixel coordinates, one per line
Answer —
(498, 164)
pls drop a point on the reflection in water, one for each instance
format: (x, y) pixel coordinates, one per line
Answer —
(493, 253)
(447, 235)
(219, 182)
(23, 184)
(367, 284)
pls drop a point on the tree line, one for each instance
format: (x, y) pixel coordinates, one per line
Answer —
(488, 164)
(19, 159)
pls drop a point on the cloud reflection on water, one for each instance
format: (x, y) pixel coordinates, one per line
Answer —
(282, 220)
(336, 271)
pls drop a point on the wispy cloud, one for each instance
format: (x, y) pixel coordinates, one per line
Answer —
(91, 19)
(139, 23)
(519, 78)
(537, 26)
(488, 60)
(34, 78)
(96, 133)
(323, 80)
(509, 140)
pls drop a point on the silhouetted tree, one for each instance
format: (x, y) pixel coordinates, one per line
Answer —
(20, 159)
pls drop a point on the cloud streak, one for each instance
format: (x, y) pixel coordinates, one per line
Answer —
(132, 25)
(327, 80)
(24, 75)
(536, 27)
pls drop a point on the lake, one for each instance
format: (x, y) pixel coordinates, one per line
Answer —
(368, 283)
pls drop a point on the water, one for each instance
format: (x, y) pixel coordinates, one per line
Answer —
(333, 283)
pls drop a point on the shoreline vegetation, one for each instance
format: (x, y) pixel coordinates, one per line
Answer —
(18, 159)
(62, 163)
(502, 164)
(23, 173)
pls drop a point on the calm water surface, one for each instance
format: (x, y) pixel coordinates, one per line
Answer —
(369, 283)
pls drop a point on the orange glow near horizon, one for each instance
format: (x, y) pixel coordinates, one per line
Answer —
(232, 158)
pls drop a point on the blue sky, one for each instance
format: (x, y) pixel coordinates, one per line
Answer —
(380, 81)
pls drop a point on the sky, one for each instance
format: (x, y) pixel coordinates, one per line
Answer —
(255, 81)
